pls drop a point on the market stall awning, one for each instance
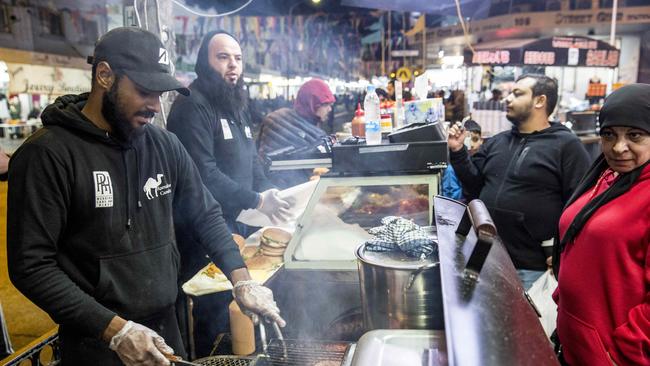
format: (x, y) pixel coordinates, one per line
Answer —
(51, 80)
(552, 51)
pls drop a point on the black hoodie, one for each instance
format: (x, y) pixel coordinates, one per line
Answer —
(90, 229)
(219, 140)
(524, 180)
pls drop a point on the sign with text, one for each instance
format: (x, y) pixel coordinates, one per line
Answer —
(405, 53)
(539, 58)
(498, 57)
(607, 58)
(552, 51)
(130, 20)
(51, 80)
(542, 20)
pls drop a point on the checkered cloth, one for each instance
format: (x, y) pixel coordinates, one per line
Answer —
(398, 233)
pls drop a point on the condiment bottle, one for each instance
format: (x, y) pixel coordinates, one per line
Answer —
(386, 119)
(241, 330)
(358, 122)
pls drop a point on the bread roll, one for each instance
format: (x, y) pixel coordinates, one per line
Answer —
(275, 238)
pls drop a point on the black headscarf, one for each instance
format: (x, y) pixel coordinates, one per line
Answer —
(202, 67)
(628, 106)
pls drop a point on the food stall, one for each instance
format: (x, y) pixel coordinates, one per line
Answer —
(462, 305)
(485, 317)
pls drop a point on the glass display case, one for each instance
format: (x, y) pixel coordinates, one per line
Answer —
(342, 209)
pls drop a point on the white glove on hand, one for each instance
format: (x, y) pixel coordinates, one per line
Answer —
(273, 206)
(137, 345)
(256, 300)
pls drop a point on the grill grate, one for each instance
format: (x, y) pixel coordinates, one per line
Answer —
(305, 353)
(225, 361)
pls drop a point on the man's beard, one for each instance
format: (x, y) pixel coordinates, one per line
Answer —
(113, 112)
(231, 97)
(521, 117)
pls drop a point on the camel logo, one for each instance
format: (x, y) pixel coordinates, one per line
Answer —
(103, 189)
(155, 187)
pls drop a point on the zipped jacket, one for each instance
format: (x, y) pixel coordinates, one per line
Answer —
(223, 149)
(90, 226)
(524, 180)
(603, 292)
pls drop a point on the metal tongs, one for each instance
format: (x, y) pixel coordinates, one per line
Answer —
(278, 333)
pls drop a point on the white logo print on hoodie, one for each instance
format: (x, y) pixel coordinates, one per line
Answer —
(154, 188)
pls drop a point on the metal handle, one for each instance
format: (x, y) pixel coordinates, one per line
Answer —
(263, 336)
(481, 219)
(417, 272)
(275, 327)
(278, 333)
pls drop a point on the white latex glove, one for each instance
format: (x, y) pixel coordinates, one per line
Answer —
(256, 300)
(273, 206)
(138, 345)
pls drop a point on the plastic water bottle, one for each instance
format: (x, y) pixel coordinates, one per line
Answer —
(371, 109)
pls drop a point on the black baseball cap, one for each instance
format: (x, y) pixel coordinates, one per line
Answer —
(140, 55)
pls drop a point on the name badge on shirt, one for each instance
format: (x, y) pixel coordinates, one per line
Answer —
(247, 131)
(225, 127)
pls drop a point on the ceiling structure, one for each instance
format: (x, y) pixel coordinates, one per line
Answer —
(274, 7)
(469, 8)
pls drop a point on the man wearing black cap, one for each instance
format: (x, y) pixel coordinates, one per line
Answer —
(93, 199)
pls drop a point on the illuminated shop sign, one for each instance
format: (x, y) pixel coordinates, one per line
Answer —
(491, 57)
(608, 58)
(573, 42)
(539, 58)
(552, 51)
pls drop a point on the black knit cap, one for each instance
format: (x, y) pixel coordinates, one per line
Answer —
(140, 55)
(627, 106)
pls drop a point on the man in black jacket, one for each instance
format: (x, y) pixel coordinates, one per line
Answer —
(93, 199)
(525, 175)
(214, 126)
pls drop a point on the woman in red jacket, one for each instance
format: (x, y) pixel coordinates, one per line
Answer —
(604, 279)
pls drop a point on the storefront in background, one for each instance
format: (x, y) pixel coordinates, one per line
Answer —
(32, 80)
(47, 80)
(576, 62)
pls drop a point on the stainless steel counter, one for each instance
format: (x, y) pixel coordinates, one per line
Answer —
(488, 322)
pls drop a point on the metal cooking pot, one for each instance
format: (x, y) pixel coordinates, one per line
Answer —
(398, 291)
